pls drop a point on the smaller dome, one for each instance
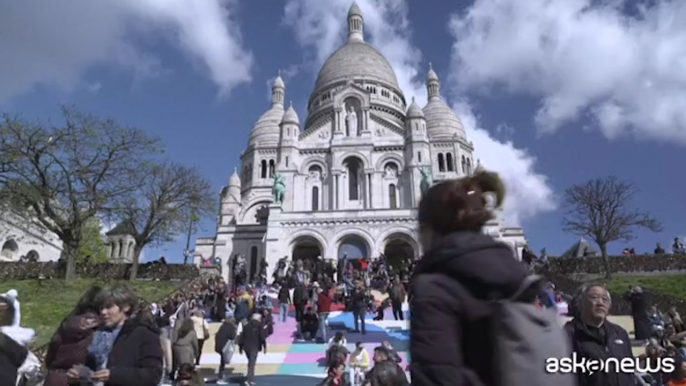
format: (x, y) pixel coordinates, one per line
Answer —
(290, 116)
(441, 121)
(414, 111)
(266, 130)
(235, 180)
(431, 75)
(278, 82)
(354, 10)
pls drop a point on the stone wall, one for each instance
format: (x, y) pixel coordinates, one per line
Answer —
(620, 305)
(103, 271)
(638, 264)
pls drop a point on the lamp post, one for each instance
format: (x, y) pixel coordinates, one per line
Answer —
(188, 253)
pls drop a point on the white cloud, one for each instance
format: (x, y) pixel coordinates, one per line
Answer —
(582, 57)
(53, 42)
(320, 27)
(528, 192)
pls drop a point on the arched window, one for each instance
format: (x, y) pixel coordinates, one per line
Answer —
(464, 165)
(449, 161)
(353, 179)
(286, 161)
(271, 168)
(263, 169)
(469, 166)
(441, 163)
(419, 156)
(315, 171)
(315, 198)
(392, 199)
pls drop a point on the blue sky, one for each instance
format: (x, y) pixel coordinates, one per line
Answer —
(552, 93)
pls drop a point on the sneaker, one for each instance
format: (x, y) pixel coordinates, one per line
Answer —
(221, 382)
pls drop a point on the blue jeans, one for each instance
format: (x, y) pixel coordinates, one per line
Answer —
(283, 311)
(322, 325)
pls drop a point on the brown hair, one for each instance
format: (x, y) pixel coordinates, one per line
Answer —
(460, 204)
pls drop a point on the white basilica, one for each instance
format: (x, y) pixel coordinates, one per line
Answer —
(352, 169)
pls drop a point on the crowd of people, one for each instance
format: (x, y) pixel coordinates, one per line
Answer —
(478, 317)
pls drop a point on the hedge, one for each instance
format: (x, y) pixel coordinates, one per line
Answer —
(620, 305)
(637, 263)
(103, 271)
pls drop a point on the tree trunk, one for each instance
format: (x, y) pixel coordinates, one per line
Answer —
(606, 261)
(69, 255)
(134, 265)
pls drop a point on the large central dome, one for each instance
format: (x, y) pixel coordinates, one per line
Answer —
(356, 60)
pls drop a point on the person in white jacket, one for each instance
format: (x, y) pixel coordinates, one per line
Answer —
(22, 336)
(12, 295)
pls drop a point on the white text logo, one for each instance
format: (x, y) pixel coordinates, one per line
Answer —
(576, 364)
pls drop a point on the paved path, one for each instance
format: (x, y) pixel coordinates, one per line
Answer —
(303, 363)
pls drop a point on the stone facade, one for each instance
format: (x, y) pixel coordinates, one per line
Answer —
(352, 171)
(120, 243)
(21, 237)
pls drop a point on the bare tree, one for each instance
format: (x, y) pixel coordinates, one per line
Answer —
(65, 176)
(600, 210)
(171, 196)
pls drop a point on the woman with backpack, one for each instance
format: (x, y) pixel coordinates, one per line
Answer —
(454, 283)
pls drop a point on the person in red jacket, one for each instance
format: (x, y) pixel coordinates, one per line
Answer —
(323, 308)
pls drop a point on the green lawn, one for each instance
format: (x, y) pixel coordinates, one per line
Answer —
(44, 304)
(669, 284)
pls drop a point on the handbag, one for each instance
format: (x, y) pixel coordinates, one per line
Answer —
(227, 351)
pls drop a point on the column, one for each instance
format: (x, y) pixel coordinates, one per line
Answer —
(337, 121)
(365, 117)
(131, 247)
(368, 177)
(338, 191)
(117, 246)
(109, 250)
(334, 194)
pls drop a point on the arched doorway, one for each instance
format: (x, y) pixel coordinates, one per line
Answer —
(254, 261)
(351, 249)
(32, 256)
(397, 251)
(9, 249)
(307, 249)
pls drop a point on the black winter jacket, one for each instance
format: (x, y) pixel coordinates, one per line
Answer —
(452, 287)
(136, 356)
(587, 345)
(12, 356)
(252, 339)
(227, 332)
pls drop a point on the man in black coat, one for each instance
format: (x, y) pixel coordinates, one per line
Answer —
(359, 302)
(252, 339)
(299, 302)
(594, 337)
(639, 313)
